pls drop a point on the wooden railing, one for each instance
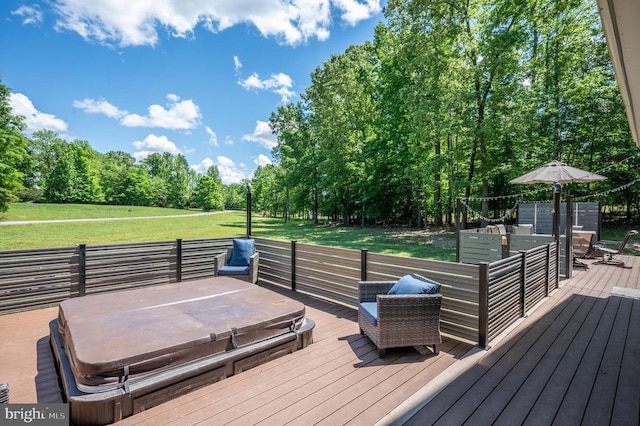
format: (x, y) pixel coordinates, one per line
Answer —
(510, 287)
(479, 301)
(476, 246)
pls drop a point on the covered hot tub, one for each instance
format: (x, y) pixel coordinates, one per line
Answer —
(121, 352)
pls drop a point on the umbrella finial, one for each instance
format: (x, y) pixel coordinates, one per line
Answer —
(557, 187)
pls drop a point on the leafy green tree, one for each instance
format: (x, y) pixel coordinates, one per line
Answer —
(140, 189)
(297, 154)
(207, 194)
(116, 168)
(59, 182)
(12, 151)
(179, 182)
(235, 196)
(43, 147)
(266, 196)
(173, 179)
(86, 185)
(72, 175)
(341, 97)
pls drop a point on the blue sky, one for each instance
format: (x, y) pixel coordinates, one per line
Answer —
(197, 77)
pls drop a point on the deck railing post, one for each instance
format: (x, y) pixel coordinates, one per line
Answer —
(599, 234)
(568, 238)
(293, 265)
(179, 260)
(556, 259)
(523, 283)
(82, 269)
(456, 215)
(546, 268)
(363, 264)
(483, 305)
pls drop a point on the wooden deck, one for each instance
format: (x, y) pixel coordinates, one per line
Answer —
(338, 379)
(574, 359)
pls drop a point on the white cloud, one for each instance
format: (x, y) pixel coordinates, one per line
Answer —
(263, 135)
(229, 172)
(228, 140)
(278, 83)
(262, 160)
(203, 166)
(30, 14)
(354, 11)
(213, 138)
(153, 143)
(236, 63)
(179, 115)
(289, 21)
(92, 106)
(34, 119)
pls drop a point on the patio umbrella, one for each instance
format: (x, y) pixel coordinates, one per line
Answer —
(557, 171)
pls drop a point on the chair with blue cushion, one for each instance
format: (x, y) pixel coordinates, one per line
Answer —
(240, 261)
(400, 313)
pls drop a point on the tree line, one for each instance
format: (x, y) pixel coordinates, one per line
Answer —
(45, 168)
(452, 99)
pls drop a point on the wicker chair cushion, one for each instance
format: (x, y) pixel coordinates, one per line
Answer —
(234, 270)
(414, 284)
(370, 310)
(242, 251)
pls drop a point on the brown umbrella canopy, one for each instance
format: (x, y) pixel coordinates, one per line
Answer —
(557, 171)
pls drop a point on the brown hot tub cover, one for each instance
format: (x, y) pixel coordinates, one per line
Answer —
(111, 337)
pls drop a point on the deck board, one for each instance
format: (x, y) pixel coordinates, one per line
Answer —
(571, 362)
(574, 358)
(27, 362)
(627, 405)
(289, 389)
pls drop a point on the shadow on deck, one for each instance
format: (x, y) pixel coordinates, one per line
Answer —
(337, 379)
(573, 361)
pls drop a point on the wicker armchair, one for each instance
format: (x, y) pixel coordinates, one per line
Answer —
(402, 320)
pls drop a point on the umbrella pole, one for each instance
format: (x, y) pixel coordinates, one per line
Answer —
(557, 190)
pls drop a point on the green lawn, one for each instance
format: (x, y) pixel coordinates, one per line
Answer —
(109, 232)
(399, 241)
(437, 245)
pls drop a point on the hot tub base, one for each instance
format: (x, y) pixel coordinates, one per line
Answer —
(148, 391)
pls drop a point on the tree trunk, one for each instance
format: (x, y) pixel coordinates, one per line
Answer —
(437, 195)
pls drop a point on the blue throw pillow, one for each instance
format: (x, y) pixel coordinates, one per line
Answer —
(242, 251)
(414, 284)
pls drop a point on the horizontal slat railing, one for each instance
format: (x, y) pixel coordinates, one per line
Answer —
(504, 294)
(477, 246)
(328, 271)
(527, 242)
(116, 267)
(275, 262)
(513, 286)
(37, 278)
(197, 257)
